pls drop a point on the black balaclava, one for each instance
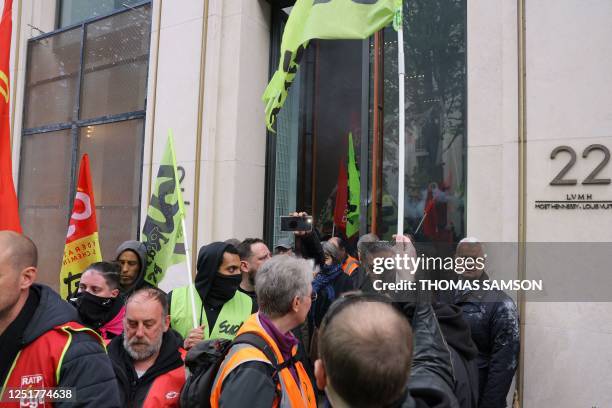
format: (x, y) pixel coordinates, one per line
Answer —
(96, 311)
(223, 289)
(214, 289)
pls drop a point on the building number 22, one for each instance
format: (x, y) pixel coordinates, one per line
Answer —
(591, 178)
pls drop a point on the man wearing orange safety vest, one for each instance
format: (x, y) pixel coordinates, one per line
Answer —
(247, 377)
(349, 264)
(148, 357)
(41, 344)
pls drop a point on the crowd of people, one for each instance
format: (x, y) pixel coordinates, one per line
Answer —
(300, 326)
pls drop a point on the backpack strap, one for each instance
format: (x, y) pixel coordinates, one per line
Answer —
(259, 343)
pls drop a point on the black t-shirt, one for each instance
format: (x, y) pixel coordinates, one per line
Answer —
(213, 311)
(12, 338)
(253, 297)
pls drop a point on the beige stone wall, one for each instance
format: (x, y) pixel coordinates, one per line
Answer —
(569, 98)
(225, 112)
(569, 102)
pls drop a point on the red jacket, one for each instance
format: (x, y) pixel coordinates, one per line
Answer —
(58, 352)
(161, 384)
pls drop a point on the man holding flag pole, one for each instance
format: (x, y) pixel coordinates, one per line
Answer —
(210, 307)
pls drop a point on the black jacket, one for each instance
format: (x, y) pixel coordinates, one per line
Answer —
(311, 249)
(494, 323)
(463, 353)
(86, 366)
(133, 390)
(431, 379)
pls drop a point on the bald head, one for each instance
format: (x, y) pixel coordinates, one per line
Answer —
(18, 250)
(470, 249)
(335, 241)
(18, 258)
(366, 350)
(339, 244)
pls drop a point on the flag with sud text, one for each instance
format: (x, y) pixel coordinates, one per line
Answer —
(323, 19)
(82, 244)
(163, 233)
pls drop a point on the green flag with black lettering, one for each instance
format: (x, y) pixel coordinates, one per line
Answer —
(354, 192)
(323, 19)
(163, 233)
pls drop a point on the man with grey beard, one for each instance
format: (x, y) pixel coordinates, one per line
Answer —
(148, 357)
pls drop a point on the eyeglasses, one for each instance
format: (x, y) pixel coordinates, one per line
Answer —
(313, 296)
(349, 298)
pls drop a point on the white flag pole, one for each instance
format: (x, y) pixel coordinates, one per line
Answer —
(185, 240)
(416, 231)
(401, 71)
(189, 276)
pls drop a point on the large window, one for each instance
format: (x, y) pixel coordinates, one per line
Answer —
(352, 86)
(76, 11)
(85, 93)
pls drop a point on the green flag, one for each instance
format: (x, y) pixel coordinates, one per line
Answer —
(354, 192)
(163, 232)
(324, 19)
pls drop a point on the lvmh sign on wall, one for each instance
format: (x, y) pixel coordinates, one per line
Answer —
(573, 198)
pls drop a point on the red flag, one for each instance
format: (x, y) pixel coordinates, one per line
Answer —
(82, 245)
(341, 198)
(9, 209)
(430, 222)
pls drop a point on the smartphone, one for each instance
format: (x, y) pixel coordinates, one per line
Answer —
(296, 223)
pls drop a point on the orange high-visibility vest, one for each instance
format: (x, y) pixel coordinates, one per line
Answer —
(292, 394)
(350, 265)
(39, 364)
(166, 389)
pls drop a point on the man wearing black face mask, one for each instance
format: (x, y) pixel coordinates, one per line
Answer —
(98, 302)
(220, 307)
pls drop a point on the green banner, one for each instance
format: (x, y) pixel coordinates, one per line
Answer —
(354, 192)
(163, 232)
(323, 19)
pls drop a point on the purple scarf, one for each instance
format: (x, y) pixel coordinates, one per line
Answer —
(285, 342)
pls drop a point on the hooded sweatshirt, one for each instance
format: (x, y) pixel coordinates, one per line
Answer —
(140, 250)
(463, 351)
(209, 283)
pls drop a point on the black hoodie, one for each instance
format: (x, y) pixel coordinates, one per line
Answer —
(85, 367)
(133, 390)
(209, 260)
(431, 378)
(463, 351)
